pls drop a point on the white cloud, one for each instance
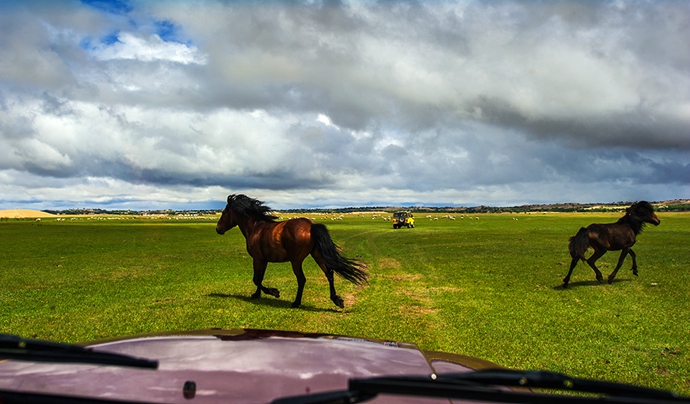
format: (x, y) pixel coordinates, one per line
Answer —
(151, 48)
(324, 119)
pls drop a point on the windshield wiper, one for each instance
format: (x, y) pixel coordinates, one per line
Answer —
(17, 348)
(556, 381)
(489, 385)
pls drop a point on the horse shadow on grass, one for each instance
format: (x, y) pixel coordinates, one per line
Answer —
(270, 302)
(587, 283)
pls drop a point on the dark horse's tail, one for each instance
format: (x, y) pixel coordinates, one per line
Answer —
(579, 244)
(351, 270)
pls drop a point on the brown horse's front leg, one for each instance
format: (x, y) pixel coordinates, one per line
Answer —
(259, 271)
(624, 252)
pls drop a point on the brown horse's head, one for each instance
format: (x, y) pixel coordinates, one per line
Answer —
(227, 219)
(643, 211)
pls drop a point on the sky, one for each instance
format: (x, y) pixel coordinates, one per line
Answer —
(177, 104)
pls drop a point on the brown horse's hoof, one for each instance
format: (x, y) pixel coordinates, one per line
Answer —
(338, 301)
(295, 305)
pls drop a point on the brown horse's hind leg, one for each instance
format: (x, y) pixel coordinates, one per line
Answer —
(620, 263)
(301, 280)
(334, 297)
(259, 271)
(337, 300)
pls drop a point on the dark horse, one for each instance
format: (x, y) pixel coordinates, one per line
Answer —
(611, 236)
(291, 240)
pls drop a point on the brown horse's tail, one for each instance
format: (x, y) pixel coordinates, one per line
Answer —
(349, 269)
(579, 244)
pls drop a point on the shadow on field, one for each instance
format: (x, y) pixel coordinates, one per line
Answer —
(270, 301)
(588, 283)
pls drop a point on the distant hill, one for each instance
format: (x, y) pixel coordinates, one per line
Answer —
(676, 205)
(23, 213)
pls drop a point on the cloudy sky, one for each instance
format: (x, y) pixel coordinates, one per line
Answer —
(176, 104)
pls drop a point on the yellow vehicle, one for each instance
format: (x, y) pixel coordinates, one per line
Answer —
(401, 219)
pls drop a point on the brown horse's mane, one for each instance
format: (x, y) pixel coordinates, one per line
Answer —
(251, 207)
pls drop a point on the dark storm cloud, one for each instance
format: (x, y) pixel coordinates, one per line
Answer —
(342, 103)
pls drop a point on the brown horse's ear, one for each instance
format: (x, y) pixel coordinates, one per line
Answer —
(230, 198)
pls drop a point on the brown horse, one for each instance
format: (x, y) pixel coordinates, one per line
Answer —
(612, 236)
(291, 240)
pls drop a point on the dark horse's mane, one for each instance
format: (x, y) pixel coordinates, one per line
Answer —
(251, 207)
(636, 214)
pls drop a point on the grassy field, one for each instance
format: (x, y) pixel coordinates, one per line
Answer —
(487, 287)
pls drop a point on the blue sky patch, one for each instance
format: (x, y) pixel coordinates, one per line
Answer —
(166, 30)
(170, 32)
(110, 6)
(110, 38)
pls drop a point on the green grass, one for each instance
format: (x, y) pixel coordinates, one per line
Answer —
(489, 288)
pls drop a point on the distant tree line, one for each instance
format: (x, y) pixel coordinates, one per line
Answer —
(665, 206)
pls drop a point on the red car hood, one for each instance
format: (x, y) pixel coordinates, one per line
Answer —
(233, 366)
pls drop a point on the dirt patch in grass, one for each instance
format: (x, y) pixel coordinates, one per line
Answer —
(127, 272)
(389, 263)
(404, 277)
(418, 310)
(451, 289)
(349, 299)
(418, 294)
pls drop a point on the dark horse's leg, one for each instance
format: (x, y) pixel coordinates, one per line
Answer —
(591, 260)
(624, 252)
(301, 280)
(578, 245)
(259, 271)
(573, 263)
(597, 254)
(329, 275)
(634, 266)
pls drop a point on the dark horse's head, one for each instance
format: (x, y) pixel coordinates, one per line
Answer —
(240, 204)
(642, 212)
